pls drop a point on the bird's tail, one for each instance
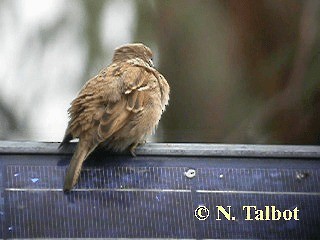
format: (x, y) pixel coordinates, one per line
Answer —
(74, 169)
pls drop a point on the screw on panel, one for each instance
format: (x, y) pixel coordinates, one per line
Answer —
(190, 173)
(302, 175)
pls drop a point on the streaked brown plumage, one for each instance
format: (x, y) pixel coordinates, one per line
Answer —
(118, 108)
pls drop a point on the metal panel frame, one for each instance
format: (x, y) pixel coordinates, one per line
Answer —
(177, 149)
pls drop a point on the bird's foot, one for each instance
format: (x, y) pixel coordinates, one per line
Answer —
(132, 150)
(133, 147)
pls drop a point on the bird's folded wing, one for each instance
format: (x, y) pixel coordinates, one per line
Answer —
(106, 102)
(117, 114)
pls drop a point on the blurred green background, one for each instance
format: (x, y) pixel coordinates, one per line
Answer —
(240, 71)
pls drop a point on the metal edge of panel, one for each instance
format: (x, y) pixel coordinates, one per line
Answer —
(177, 149)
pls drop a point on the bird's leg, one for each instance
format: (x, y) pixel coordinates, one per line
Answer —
(132, 149)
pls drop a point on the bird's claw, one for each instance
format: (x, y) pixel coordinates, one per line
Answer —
(133, 147)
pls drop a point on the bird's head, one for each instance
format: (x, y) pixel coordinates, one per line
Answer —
(131, 51)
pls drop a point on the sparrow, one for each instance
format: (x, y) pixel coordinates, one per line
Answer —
(117, 109)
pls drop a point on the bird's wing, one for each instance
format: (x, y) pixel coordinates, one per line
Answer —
(133, 82)
(106, 101)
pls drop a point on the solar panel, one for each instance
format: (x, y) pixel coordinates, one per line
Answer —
(156, 194)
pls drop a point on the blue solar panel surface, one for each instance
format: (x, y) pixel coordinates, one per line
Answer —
(155, 196)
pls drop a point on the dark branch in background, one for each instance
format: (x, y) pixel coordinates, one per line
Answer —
(92, 34)
(291, 96)
(8, 120)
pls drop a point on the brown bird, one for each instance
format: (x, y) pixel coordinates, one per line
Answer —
(116, 109)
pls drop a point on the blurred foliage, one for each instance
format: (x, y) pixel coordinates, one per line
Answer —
(240, 71)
